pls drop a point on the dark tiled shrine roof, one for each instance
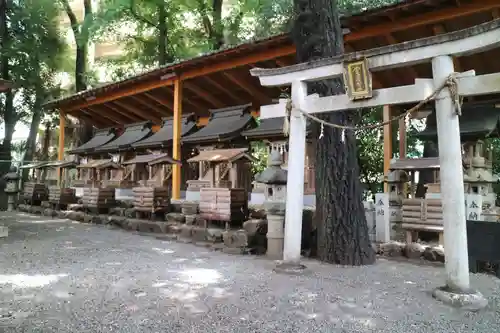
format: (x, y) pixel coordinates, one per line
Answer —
(224, 124)
(132, 134)
(164, 137)
(151, 159)
(476, 122)
(271, 127)
(101, 137)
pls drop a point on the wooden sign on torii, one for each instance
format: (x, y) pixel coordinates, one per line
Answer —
(438, 50)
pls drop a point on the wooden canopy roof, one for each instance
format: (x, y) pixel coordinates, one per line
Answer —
(151, 159)
(222, 78)
(222, 155)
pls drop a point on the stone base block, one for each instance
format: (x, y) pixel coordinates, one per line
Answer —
(275, 248)
(235, 250)
(186, 231)
(470, 300)
(175, 217)
(4, 231)
(290, 268)
(235, 238)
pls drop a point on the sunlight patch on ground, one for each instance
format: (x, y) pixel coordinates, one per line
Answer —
(30, 281)
(163, 251)
(201, 276)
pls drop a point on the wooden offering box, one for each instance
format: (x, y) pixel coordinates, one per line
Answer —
(151, 199)
(35, 193)
(98, 198)
(62, 196)
(153, 172)
(224, 204)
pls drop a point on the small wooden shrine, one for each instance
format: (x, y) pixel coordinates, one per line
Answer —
(34, 190)
(270, 131)
(225, 176)
(425, 214)
(121, 150)
(59, 191)
(95, 174)
(152, 173)
(161, 142)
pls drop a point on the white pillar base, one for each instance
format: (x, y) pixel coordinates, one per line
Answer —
(470, 301)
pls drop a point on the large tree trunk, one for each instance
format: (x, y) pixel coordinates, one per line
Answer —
(342, 229)
(33, 133)
(9, 116)
(162, 35)
(217, 26)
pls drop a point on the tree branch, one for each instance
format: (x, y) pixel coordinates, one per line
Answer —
(139, 17)
(72, 17)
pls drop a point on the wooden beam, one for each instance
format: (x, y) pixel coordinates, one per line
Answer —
(161, 101)
(387, 144)
(228, 91)
(202, 93)
(165, 101)
(402, 138)
(141, 114)
(270, 54)
(121, 112)
(106, 115)
(495, 13)
(60, 152)
(251, 89)
(95, 120)
(120, 118)
(176, 149)
(131, 90)
(141, 100)
(422, 20)
(137, 88)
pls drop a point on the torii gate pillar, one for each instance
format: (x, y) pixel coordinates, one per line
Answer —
(451, 176)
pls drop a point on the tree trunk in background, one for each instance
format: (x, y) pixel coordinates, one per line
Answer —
(31, 141)
(340, 216)
(85, 131)
(45, 148)
(162, 35)
(217, 27)
(9, 116)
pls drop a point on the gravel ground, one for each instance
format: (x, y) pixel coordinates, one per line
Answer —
(62, 276)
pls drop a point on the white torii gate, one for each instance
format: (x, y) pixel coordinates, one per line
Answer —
(438, 50)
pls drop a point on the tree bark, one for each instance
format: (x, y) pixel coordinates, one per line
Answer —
(33, 133)
(9, 115)
(342, 229)
(85, 131)
(162, 35)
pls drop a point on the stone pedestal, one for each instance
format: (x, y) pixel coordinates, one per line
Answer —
(275, 236)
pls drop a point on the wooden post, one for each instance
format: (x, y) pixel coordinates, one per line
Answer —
(387, 143)
(60, 154)
(176, 149)
(402, 138)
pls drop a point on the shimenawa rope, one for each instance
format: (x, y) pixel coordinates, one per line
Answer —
(450, 82)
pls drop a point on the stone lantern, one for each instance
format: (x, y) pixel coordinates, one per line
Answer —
(274, 178)
(11, 187)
